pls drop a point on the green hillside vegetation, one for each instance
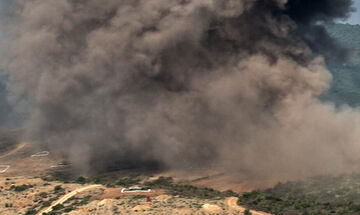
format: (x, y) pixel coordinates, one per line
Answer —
(346, 34)
(325, 195)
(345, 87)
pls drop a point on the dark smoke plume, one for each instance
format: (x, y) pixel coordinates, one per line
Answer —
(308, 13)
(182, 83)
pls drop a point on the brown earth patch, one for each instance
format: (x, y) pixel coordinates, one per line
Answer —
(141, 207)
(163, 198)
(231, 202)
(211, 209)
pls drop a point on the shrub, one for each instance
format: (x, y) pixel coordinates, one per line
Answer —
(58, 207)
(247, 212)
(80, 180)
(43, 195)
(30, 212)
(46, 204)
(52, 213)
(127, 182)
(96, 180)
(58, 189)
(139, 197)
(68, 209)
(21, 187)
(84, 201)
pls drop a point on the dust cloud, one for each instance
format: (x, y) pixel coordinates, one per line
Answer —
(231, 84)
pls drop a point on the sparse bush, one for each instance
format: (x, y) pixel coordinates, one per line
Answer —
(162, 181)
(247, 212)
(43, 195)
(96, 180)
(30, 212)
(21, 187)
(231, 193)
(68, 209)
(139, 197)
(84, 201)
(184, 189)
(52, 213)
(58, 207)
(58, 189)
(125, 182)
(80, 180)
(46, 204)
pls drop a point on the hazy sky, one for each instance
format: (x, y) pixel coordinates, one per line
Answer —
(355, 19)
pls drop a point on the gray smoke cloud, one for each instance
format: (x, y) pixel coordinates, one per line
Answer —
(232, 84)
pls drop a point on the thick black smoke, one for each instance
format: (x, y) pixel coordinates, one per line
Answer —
(308, 12)
(308, 15)
(182, 83)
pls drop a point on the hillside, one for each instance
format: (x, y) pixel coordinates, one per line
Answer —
(319, 195)
(345, 87)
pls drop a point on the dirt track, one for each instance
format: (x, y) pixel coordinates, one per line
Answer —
(67, 197)
(232, 203)
(18, 147)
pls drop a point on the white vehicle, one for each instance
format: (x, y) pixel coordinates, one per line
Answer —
(135, 190)
(41, 154)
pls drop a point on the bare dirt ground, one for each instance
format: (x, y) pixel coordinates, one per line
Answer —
(219, 181)
(231, 202)
(21, 162)
(17, 148)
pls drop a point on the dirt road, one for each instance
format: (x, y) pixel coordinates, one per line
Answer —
(18, 147)
(67, 197)
(231, 202)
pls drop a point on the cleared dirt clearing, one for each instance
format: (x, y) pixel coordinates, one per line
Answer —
(231, 202)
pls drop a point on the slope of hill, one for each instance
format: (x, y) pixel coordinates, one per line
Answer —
(345, 87)
(319, 195)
